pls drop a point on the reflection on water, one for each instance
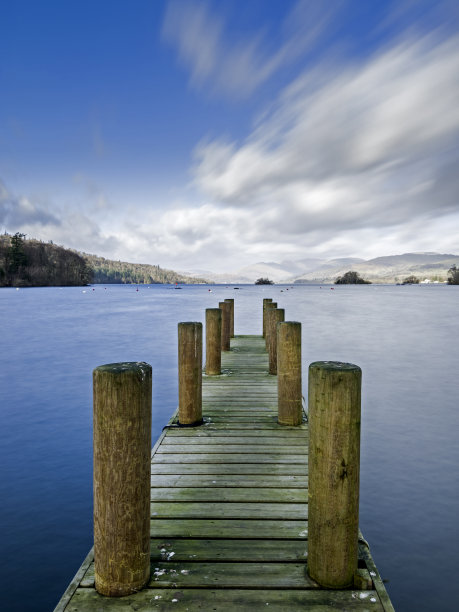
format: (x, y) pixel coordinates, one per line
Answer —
(404, 338)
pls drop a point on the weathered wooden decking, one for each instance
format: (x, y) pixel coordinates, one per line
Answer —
(229, 510)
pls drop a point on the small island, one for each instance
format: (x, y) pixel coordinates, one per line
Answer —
(264, 281)
(351, 278)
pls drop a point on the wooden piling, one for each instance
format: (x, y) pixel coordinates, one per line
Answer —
(265, 302)
(334, 464)
(122, 447)
(190, 373)
(213, 341)
(231, 301)
(289, 402)
(269, 307)
(276, 315)
(226, 325)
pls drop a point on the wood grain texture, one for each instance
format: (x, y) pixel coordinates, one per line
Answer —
(190, 372)
(226, 325)
(213, 341)
(334, 444)
(122, 443)
(289, 402)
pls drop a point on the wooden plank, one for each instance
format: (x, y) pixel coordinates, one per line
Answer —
(267, 441)
(266, 551)
(230, 528)
(288, 433)
(228, 510)
(209, 480)
(223, 449)
(230, 600)
(235, 468)
(254, 428)
(244, 458)
(229, 494)
(225, 575)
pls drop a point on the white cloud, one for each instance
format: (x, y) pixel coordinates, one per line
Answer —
(15, 212)
(349, 148)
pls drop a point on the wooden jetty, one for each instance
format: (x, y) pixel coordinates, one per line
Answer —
(229, 510)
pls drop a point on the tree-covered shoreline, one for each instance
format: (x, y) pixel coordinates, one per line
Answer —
(33, 263)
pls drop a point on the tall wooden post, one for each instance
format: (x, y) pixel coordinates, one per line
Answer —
(213, 341)
(275, 316)
(269, 307)
(231, 301)
(226, 325)
(190, 373)
(334, 465)
(122, 448)
(289, 401)
(265, 302)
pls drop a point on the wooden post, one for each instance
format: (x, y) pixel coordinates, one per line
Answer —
(226, 325)
(122, 448)
(265, 302)
(190, 373)
(334, 465)
(213, 341)
(289, 401)
(231, 301)
(276, 316)
(269, 307)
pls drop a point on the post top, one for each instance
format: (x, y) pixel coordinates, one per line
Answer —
(190, 323)
(334, 366)
(289, 323)
(125, 366)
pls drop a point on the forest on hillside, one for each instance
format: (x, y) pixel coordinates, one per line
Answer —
(33, 263)
(110, 271)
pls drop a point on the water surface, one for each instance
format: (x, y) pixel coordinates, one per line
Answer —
(404, 339)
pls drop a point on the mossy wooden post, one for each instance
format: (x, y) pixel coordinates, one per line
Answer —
(231, 301)
(289, 391)
(122, 448)
(334, 464)
(265, 302)
(276, 316)
(270, 306)
(226, 325)
(190, 373)
(213, 341)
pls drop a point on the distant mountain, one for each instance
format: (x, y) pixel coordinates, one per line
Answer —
(387, 269)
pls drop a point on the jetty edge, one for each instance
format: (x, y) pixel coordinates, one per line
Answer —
(229, 497)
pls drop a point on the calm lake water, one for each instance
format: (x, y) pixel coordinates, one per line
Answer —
(404, 338)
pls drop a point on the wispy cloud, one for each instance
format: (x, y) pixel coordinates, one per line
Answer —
(370, 145)
(238, 69)
(18, 211)
(45, 221)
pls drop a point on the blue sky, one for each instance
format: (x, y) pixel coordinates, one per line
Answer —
(211, 135)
